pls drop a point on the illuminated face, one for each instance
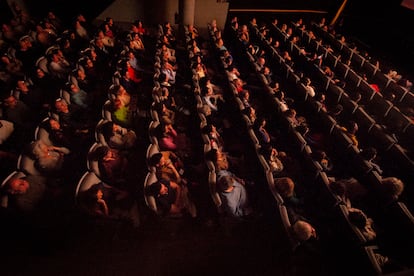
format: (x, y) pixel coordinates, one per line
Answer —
(163, 190)
(99, 194)
(116, 128)
(10, 101)
(54, 124)
(162, 161)
(61, 106)
(18, 186)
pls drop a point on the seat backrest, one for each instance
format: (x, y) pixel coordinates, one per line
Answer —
(150, 178)
(106, 112)
(87, 180)
(99, 137)
(42, 134)
(212, 182)
(42, 63)
(92, 165)
(26, 164)
(151, 150)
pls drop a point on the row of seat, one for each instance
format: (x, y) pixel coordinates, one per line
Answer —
(404, 97)
(361, 117)
(332, 128)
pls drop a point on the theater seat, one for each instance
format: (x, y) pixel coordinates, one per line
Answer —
(85, 182)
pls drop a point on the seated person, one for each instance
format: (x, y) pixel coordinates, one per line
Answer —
(370, 154)
(363, 223)
(48, 159)
(73, 118)
(391, 189)
(78, 96)
(164, 166)
(121, 114)
(233, 195)
(261, 132)
(27, 194)
(118, 137)
(171, 198)
(170, 139)
(350, 129)
(322, 158)
(58, 135)
(293, 119)
(165, 114)
(215, 137)
(303, 231)
(105, 201)
(272, 155)
(223, 161)
(286, 188)
(112, 166)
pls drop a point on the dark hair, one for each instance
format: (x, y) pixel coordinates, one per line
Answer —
(107, 129)
(338, 188)
(99, 152)
(154, 189)
(155, 159)
(357, 218)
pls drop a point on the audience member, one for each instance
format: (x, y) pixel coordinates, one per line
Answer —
(233, 195)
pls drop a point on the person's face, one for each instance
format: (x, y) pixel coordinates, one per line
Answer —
(40, 73)
(18, 186)
(61, 106)
(162, 161)
(116, 128)
(99, 194)
(163, 190)
(21, 85)
(109, 155)
(54, 124)
(10, 102)
(312, 231)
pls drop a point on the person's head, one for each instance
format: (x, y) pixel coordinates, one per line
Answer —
(156, 160)
(17, 186)
(225, 183)
(303, 230)
(306, 80)
(357, 217)
(158, 189)
(338, 187)
(291, 113)
(285, 186)
(10, 101)
(61, 105)
(392, 187)
(38, 149)
(107, 129)
(96, 191)
(54, 124)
